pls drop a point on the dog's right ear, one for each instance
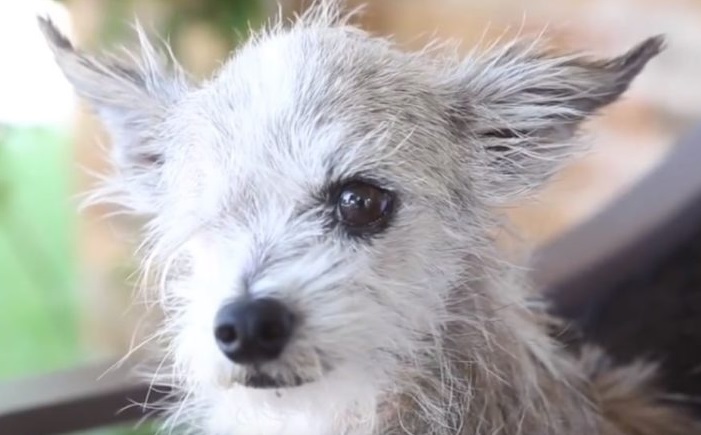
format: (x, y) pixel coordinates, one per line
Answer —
(520, 109)
(132, 98)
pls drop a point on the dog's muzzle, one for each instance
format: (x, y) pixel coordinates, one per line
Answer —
(253, 331)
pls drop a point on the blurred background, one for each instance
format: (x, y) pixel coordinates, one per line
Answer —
(66, 279)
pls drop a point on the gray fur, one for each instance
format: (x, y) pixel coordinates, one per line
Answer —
(422, 329)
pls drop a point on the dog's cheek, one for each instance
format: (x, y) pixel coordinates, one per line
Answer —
(347, 329)
(415, 267)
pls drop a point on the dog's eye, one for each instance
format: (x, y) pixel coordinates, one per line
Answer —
(362, 206)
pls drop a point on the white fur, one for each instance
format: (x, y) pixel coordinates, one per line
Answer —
(422, 328)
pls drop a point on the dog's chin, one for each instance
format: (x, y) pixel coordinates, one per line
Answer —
(263, 381)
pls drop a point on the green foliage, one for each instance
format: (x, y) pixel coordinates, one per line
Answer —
(38, 304)
(230, 17)
(38, 310)
(145, 429)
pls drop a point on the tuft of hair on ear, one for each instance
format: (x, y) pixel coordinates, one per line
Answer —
(519, 108)
(131, 96)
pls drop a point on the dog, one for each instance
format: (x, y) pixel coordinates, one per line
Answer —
(322, 215)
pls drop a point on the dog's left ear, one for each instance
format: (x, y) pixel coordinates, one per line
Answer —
(518, 110)
(132, 97)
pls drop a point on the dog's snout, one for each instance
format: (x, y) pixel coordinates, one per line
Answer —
(251, 331)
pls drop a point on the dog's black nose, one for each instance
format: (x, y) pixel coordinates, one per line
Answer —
(251, 331)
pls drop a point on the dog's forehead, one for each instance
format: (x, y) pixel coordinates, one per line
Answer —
(309, 77)
(310, 65)
(292, 110)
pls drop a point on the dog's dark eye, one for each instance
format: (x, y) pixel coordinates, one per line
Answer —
(362, 206)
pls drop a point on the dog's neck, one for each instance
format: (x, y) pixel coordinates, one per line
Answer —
(499, 373)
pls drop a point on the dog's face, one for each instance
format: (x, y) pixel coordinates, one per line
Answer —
(322, 203)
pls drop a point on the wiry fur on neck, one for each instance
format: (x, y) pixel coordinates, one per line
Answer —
(494, 373)
(422, 329)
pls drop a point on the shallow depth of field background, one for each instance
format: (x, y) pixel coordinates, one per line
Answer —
(65, 279)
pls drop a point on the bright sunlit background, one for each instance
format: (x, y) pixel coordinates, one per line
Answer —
(65, 279)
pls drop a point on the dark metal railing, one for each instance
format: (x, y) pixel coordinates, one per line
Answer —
(73, 400)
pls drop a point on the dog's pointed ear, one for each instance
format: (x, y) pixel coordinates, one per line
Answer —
(520, 109)
(131, 97)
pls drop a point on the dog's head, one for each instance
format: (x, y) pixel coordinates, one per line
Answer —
(322, 201)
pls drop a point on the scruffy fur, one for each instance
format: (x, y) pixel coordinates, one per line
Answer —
(421, 329)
